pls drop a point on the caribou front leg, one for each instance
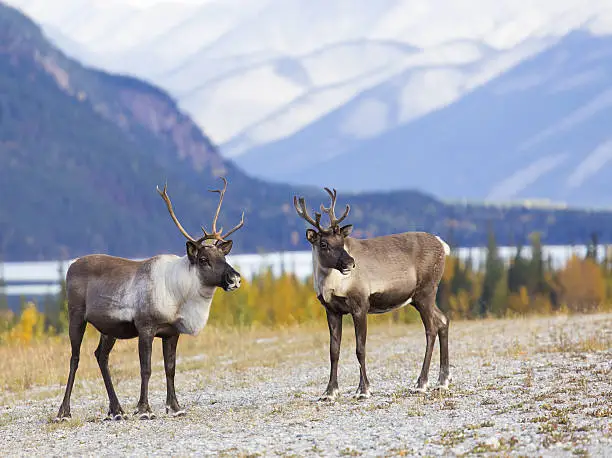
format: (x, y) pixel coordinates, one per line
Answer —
(169, 349)
(334, 322)
(360, 320)
(145, 347)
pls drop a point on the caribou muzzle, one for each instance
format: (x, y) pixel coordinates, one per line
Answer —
(231, 280)
(345, 264)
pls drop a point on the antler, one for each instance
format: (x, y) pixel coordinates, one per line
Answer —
(166, 198)
(215, 234)
(301, 211)
(331, 210)
(218, 234)
(334, 222)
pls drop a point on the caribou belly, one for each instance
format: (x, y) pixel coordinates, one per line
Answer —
(387, 302)
(111, 326)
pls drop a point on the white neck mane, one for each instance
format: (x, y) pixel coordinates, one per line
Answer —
(179, 295)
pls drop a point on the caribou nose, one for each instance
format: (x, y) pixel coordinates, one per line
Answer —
(233, 280)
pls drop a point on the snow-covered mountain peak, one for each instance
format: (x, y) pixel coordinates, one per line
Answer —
(257, 72)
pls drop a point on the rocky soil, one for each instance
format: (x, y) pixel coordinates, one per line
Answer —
(532, 387)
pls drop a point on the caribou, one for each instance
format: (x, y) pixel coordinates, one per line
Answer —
(372, 276)
(163, 296)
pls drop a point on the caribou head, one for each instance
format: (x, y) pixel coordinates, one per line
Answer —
(328, 242)
(207, 253)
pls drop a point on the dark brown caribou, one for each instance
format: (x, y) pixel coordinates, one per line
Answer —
(163, 296)
(375, 275)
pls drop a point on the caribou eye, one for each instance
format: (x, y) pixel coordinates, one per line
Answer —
(324, 244)
(204, 262)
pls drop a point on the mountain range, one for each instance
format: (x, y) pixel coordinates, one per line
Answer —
(82, 150)
(469, 99)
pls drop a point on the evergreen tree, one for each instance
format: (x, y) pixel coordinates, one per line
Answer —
(494, 271)
(518, 272)
(50, 312)
(537, 281)
(592, 249)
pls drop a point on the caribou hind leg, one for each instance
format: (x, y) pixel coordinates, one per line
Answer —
(425, 304)
(169, 350)
(76, 330)
(115, 412)
(444, 378)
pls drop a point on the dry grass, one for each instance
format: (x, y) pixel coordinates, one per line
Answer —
(45, 363)
(41, 367)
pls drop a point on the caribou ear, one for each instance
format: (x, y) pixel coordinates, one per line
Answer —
(225, 247)
(311, 235)
(346, 230)
(192, 251)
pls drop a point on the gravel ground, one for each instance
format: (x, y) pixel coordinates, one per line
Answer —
(534, 387)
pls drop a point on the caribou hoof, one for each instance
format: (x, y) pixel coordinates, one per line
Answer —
(419, 389)
(175, 413)
(145, 415)
(362, 395)
(60, 419)
(115, 417)
(329, 396)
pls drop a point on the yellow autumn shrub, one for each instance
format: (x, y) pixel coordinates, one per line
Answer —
(583, 286)
(31, 325)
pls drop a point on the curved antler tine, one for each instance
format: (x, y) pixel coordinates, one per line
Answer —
(295, 204)
(221, 193)
(344, 215)
(238, 226)
(332, 195)
(331, 210)
(224, 183)
(164, 195)
(302, 212)
(217, 234)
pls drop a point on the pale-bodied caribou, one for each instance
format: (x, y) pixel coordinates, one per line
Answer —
(375, 275)
(163, 296)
